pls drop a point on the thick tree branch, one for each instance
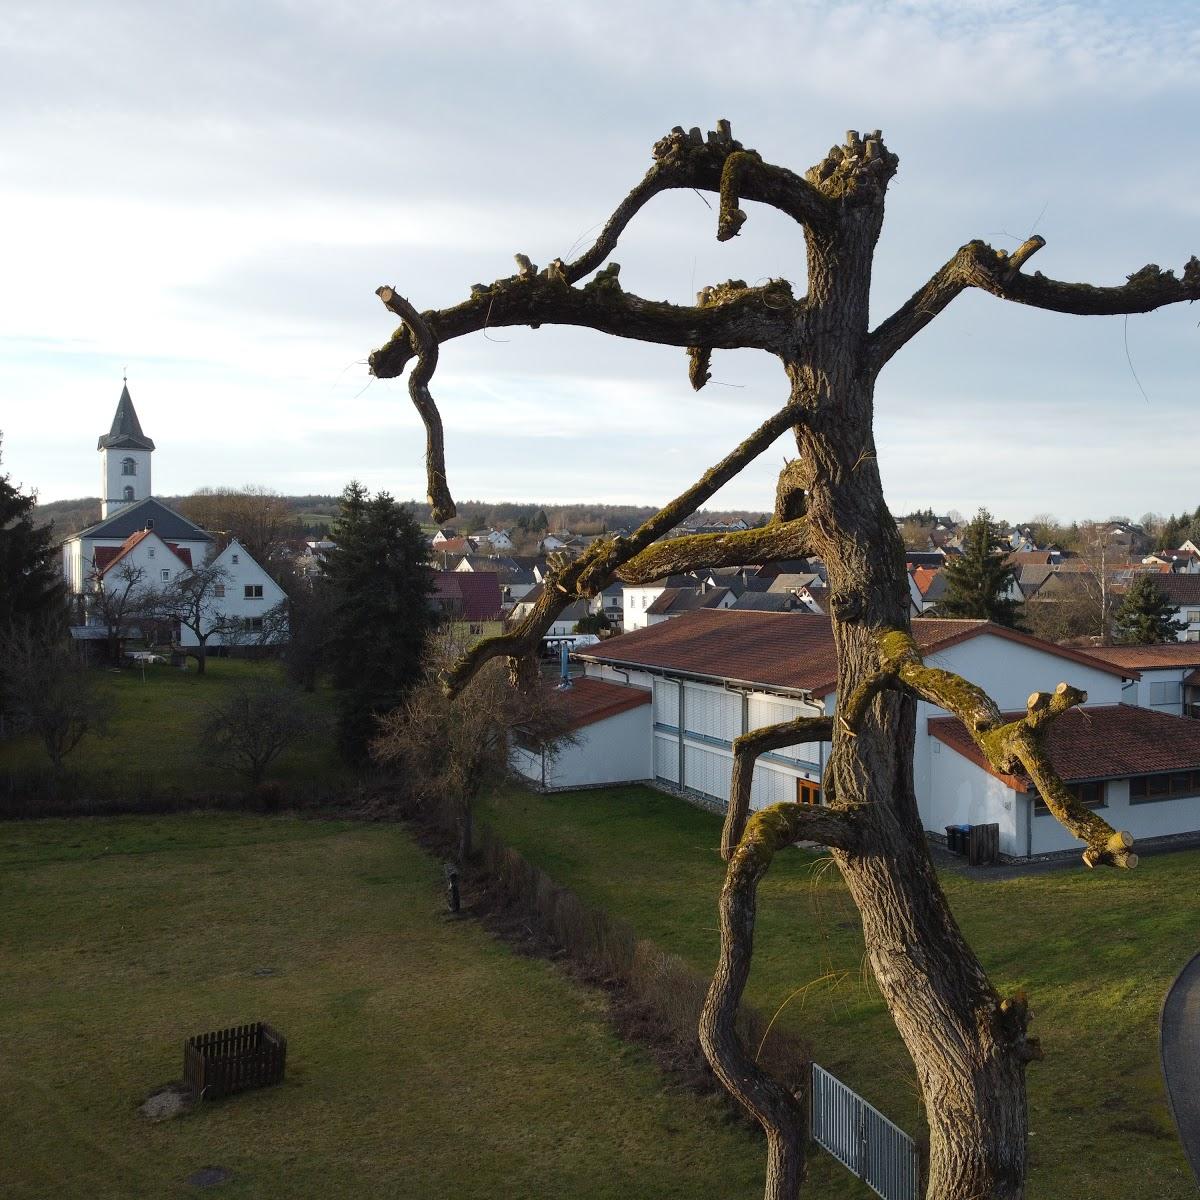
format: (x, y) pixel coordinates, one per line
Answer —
(746, 750)
(978, 265)
(766, 543)
(1013, 745)
(759, 317)
(441, 502)
(761, 1095)
(596, 567)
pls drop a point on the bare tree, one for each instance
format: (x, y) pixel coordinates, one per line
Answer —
(48, 691)
(261, 519)
(970, 1045)
(119, 598)
(195, 600)
(249, 731)
(452, 747)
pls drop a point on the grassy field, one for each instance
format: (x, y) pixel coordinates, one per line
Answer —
(153, 736)
(1095, 950)
(424, 1058)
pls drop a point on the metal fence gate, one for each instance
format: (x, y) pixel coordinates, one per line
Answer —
(862, 1139)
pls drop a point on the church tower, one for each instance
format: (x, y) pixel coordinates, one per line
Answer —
(124, 460)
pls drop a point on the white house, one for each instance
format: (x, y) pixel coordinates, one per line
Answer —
(140, 536)
(606, 721)
(714, 674)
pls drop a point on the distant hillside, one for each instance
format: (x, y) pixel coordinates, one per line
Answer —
(314, 514)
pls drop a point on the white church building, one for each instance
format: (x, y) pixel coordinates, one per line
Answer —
(140, 538)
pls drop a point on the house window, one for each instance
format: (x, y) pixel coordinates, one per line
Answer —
(129, 493)
(807, 793)
(150, 552)
(235, 560)
(252, 622)
(1193, 616)
(166, 575)
(1165, 693)
(219, 591)
(1149, 789)
(128, 466)
(476, 627)
(254, 591)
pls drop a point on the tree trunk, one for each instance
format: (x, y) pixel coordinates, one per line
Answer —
(969, 1061)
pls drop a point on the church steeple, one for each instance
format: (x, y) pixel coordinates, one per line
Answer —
(126, 432)
(124, 459)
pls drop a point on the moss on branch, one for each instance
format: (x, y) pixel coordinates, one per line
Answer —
(1011, 746)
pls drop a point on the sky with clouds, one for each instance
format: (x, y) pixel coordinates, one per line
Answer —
(208, 194)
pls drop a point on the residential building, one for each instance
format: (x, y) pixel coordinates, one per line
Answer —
(713, 675)
(139, 535)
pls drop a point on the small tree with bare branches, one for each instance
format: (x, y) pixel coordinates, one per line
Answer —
(969, 1044)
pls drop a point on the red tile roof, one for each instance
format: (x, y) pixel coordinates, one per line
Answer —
(1149, 658)
(589, 700)
(182, 552)
(478, 592)
(1111, 741)
(782, 650)
(923, 577)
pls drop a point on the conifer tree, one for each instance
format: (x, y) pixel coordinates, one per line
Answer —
(381, 612)
(1146, 616)
(31, 587)
(978, 582)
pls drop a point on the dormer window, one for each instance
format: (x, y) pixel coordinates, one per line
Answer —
(128, 466)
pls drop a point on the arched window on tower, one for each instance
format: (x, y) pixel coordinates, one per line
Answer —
(128, 466)
(129, 493)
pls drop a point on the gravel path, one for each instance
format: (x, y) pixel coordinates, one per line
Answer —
(1179, 1046)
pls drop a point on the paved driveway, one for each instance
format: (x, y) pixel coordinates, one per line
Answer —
(1179, 1046)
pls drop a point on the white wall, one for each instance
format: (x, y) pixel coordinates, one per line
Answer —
(636, 600)
(960, 793)
(244, 572)
(114, 482)
(1156, 819)
(1158, 689)
(615, 750)
(1008, 671)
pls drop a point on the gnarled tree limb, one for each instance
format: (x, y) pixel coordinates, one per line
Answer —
(596, 567)
(762, 1096)
(441, 502)
(978, 265)
(758, 317)
(1012, 745)
(766, 543)
(746, 750)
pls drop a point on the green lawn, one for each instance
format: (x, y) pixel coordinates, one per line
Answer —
(424, 1058)
(1095, 950)
(154, 728)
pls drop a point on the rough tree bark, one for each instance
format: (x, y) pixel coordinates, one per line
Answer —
(970, 1046)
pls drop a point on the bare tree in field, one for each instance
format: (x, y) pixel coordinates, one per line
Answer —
(195, 600)
(969, 1044)
(119, 599)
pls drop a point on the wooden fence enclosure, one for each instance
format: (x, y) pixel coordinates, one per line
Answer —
(232, 1060)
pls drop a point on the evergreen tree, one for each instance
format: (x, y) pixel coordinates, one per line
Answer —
(978, 581)
(31, 587)
(1146, 615)
(381, 613)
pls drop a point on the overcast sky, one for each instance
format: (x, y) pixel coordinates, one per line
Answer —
(208, 194)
